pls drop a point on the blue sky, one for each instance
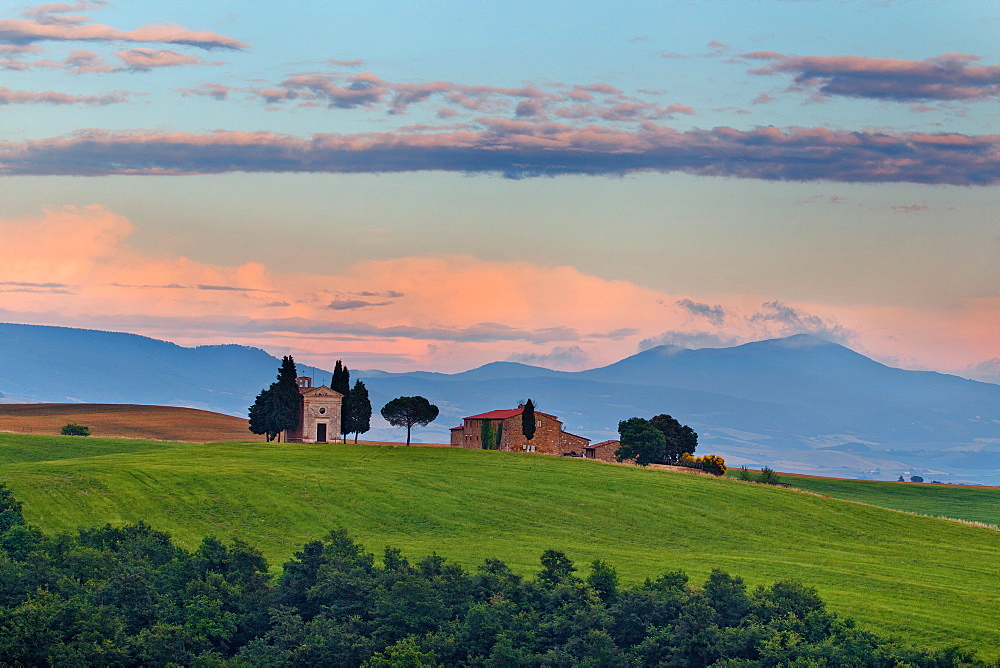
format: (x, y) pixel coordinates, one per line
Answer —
(432, 185)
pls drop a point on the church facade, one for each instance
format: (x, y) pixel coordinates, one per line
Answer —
(319, 414)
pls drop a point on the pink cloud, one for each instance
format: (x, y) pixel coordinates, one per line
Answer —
(360, 90)
(19, 49)
(339, 90)
(212, 90)
(8, 96)
(912, 208)
(528, 108)
(763, 55)
(53, 11)
(602, 88)
(77, 266)
(143, 60)
(718, 48)
(951, 76)
(518, 148)
(83, 60)
(28, 31)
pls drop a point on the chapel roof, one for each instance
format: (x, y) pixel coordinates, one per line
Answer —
(312, 390)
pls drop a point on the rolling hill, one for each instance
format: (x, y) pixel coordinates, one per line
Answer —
(799, 404)
(163, 423)
(929, 581)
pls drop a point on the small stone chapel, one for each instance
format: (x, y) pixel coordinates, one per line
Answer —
(319, 416)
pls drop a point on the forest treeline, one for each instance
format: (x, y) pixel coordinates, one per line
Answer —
(127, 596)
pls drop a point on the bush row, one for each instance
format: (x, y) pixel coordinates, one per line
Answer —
(127, 596)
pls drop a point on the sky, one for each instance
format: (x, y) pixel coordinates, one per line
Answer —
(439, 185)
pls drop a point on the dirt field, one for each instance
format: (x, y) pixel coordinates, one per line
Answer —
(164, 423)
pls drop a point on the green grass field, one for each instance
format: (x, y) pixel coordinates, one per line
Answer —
(929, 581)
(964, 502)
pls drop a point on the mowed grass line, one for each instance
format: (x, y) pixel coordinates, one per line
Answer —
(964, 502)
(929, 581)
(16, 448)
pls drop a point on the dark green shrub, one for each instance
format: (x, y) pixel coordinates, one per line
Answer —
(768, 476)
(74, 429)
(10, 510)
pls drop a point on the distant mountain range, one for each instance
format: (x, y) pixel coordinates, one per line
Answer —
(59, 364)
(798, 404)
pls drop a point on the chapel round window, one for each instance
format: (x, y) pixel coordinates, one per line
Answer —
(322, 410)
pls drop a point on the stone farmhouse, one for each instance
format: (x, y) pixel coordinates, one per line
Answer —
(319, 414)
(549, 438)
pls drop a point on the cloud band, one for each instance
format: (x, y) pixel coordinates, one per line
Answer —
(518, 150)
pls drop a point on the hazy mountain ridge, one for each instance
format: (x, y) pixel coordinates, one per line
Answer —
(58, 364)
(788, 403)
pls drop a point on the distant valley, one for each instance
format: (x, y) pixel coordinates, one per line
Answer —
(799, 404)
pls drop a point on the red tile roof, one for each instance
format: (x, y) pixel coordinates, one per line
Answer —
(505, 413)
(502, 414)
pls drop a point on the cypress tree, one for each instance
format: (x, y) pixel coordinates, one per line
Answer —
(357, 411)
(338, 371)
(341, 382)
(262, 414)
(528, 420)
(286, 396)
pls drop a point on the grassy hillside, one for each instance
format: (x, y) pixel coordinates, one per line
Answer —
(964, 502)
(928, 580)
(168, 423)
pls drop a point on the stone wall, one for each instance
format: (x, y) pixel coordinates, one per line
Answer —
(545, 441)
(603, 451)
(571, 444)
(549, 438)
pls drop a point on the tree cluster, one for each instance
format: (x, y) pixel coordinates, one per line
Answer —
(277, 408)
(128, 596)
(679, 438)
(640, 441)
(659, 440)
